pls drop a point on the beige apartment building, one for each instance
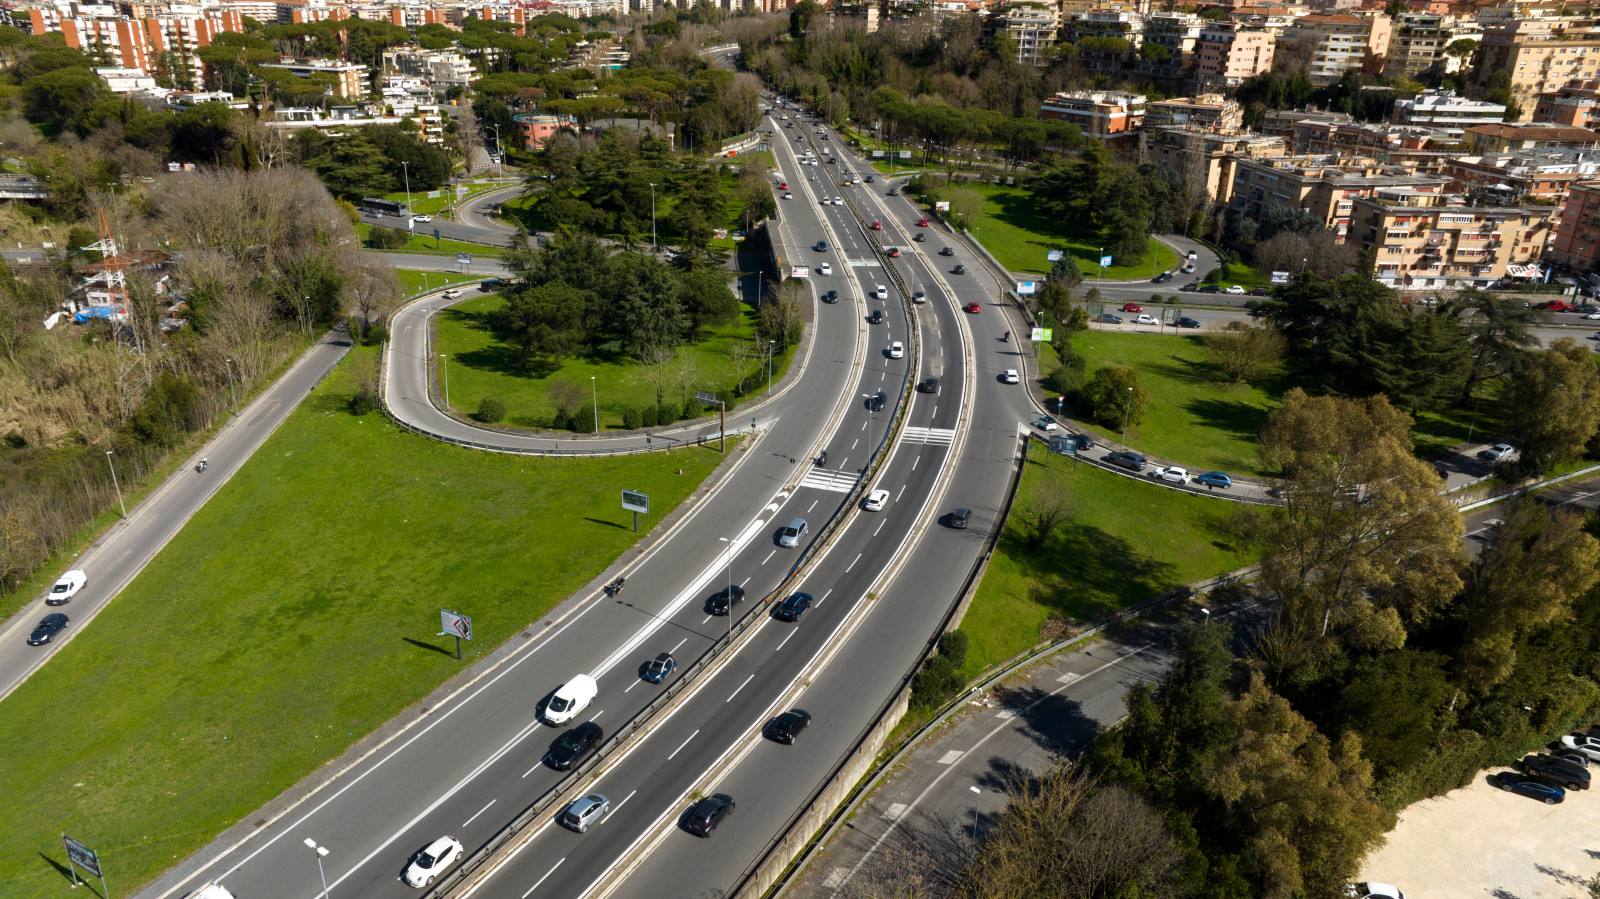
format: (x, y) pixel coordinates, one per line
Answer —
(1209, 155)
(1206, 111)
(1033, 27)
(1325, 186)
(1576, 242)
(1229, 52)
(1326, 45)
(1417, 239)
(1541, 55)
(1417, 45)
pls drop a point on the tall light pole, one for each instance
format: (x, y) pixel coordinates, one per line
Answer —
(594, 392)
(652, 217)
(870, 397)
(730, 587)
(445, 366)
(771, 348)
(976, 798)
(115, 486)
(1126, 411)
(321, 851)
(231, 388)
(405, 169)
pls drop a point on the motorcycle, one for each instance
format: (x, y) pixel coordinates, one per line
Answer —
(1006, 338)
(202, 466)
(615, 587)
(822, 459)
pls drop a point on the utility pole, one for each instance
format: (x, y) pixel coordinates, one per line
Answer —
(231, 390)
(115, 486)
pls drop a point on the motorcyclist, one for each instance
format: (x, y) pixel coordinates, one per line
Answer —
(1007, 338)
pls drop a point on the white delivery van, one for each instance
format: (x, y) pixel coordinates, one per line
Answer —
(573, 697)
(211, 891)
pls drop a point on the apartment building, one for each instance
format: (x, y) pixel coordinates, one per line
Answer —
(1178, 34)
(1540, 55)
(351, 78)
(1206, 111)
(1446, 109)
(1227, 53)
(1033, 27)
(436, 67)
(1497, 138)
(1282, 122)
(1326, 45)
(1575, 104)
(1545, 175)
(426, 119)
(534, 129)
(126, 81)
(1417, 46)
(1420, 239)
(169, 40)
(1207, 155)
(1325, 186)
(1111, 117)
(1576, 241)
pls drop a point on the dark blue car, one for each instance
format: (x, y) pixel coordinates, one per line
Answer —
(659, 667)
(1215, 480)
(792, 608)
(1533, 788)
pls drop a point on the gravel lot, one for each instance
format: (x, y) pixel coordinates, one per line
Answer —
(1480, 841)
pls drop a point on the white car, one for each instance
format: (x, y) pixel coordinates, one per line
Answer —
(876, 500)
(1145, 319)
(896, 350)
(428, 864)
(1499, 451)
(425, 219)
(838, 201)
(1011, 376)
(584, 812)
(66, 588)
(824, 269)
(1234, 289)
(1173, 475)
(452, 293)
(788, 196)
(1589, 747)
(1373, 890)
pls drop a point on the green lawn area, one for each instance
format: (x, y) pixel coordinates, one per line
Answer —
(294, 614)
(423, 204)
(422, 240)
(1125, 542)
(480, 366)
(1020, 235)
(417, 281)
(1246, 277)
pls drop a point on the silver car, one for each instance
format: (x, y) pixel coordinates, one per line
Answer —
(584, 812)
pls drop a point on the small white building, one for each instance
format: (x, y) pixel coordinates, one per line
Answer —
(126, 81)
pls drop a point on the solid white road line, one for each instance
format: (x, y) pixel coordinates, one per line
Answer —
(738, 688)
(480, 811)
(786, 639)
(618, 807)
(825, 595)
(678, 750)
(852, 563)
(542, 879)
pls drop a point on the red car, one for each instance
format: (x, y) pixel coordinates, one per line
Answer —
(877, 226)
(894, 251)
(974, 308)
(1132, 307)
(1555, 306)
(783, 185)
(922, 223)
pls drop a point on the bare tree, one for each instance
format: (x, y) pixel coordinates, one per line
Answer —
(1046, 510)
(565, 394)
(372, 289)
(657, 367)
(1318, 252)
(685, 375)
(1244, 352)
(741, 352)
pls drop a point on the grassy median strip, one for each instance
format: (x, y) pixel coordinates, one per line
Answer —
(1020, 235)
(1122, 542)
(295, 613)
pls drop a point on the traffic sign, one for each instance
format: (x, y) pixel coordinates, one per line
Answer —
(456, 624)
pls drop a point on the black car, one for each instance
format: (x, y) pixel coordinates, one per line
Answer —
(1107, 318)
(876, 318)
(49, 626)
(789, 725)
(822, 246)
(959, 269)
(894, 192)
(1187, 322)
(574, 746)
(831, 296)
(920, 237)
(1556, 771)
(792, 608)
(660, 667)
(1162, 278)
(1191, 286)
(877, 401)
(928, 385)
(706, 814)
(491, 285)
(960, 517)
(947, 252)
(1079, 442)
(1531, 787)
(718, 604)
(1210, 288)
(1130, 460)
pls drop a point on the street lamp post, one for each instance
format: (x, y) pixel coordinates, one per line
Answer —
(869, 397)
(594, 392)
(231, 389)
(115, 486)
(652, 217)
(771, 348)
(445, 367)
(405, 169)
(1127, 410)
(977, 797)
(320, 851)
(730, 587)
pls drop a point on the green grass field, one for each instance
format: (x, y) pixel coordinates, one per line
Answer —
(417, 281)
(480, 366)
(423, 241)
(423, 204)
(1125, 542)
(1011, 227)
(295, 613)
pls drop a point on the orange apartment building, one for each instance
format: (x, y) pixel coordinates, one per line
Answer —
(1576, 105)
(1576, 242)
(1540, 55)
(1418, 239)
(1325, 186)
(1229, 52)
(137, 43)
(1111, 117)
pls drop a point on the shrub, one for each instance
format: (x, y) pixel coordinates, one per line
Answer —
(364, 402)
(651, 417)
(382, 238)
(632, 419)
(1110, 400)
(940, 678)
(558, 422)
(667, 414)
(692, 409)
(491, 410)
(375, 334)
(1064, 381)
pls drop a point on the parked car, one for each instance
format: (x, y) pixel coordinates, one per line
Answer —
(705, 815)
(1132, 307)
(1235, 289)
(1127, 459)
(1215, 480)
(1552, 770)
(66, 587)
(1210, 288)
(1046, 423)
(1191, 287)
(718, 603)
(928, 385)
(1585, 745)
(876, 500)
(585, 812)
(1145, 319)
(575, 746)
(1373, 890)
(1010, 376)
(1079, 442)
(1259, 292)
(793, 607)
(1171, 474)
(786, 729)
(1554, 306)
(1499, 452)
(1187, 322)
(1531, 787)
(660, 668)
(1108, 318)
(48, 626)
(427, 865)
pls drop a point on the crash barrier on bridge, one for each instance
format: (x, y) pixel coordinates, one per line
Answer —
(1467, 498)
(840, 789)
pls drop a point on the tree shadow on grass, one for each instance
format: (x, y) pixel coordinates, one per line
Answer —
(1084, 571)
(422, 645)
(1238, 419)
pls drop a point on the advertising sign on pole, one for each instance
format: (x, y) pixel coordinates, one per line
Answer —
(877, 154)
(1042, 335)
(1105, 261)
(1053, 256)
(800, 271)
(82, 856)
(942, 205)
(1280, 277)
(1026, 288)
(636, 502)
(905, 154)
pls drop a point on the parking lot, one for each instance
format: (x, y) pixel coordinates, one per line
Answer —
(1479, 841)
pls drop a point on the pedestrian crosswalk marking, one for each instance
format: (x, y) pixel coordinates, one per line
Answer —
(943, 436)
(836, 481)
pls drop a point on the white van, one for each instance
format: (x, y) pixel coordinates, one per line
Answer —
(881, 292)
(211, 891)
(573, 697)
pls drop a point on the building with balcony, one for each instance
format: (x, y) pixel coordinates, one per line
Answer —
(1326, 45)
(427, 120)
(1177, 34)
(1576, 241)
(1325, 186)
(1111, 117)
(350, 78)
(126, 81)
(439, 68)
(1207, 156)
(1226, 53)
(1445, 109)
(1575, 104)
(1420, 239)
(1033, 27)
(166, 43)
(1541, 55)
(1545, 176)
(1206, 111)
(533, 129)
(1498, 138)
(1417, 45)
(1282, 122)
